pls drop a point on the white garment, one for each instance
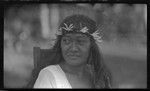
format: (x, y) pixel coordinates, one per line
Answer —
(52, 77)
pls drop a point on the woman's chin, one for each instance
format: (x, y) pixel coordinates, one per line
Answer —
(75, 62)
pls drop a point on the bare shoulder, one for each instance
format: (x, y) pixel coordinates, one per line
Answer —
(49, 69)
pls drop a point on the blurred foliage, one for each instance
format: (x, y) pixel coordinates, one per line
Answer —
(121, 22)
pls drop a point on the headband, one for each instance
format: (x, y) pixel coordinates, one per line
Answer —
(80, 24)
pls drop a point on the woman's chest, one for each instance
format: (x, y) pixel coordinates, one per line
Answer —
(76, 82)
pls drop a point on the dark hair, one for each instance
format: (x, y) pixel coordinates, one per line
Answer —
(101, 77)
(101, 74)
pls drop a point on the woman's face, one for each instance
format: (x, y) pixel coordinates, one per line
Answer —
(75, 48)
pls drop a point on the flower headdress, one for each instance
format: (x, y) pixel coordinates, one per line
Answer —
(80, 23)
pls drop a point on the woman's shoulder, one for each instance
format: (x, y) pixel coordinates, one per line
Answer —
(46, 78)
(50, 68)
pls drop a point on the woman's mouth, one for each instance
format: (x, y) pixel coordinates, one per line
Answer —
(73, 56)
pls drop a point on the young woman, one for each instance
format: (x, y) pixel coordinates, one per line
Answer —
(79, 61)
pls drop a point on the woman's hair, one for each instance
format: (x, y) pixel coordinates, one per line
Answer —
(101, 74)
(101, 77)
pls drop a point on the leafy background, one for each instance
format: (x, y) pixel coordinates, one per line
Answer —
(124, 35)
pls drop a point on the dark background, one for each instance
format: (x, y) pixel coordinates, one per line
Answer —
(124, 35)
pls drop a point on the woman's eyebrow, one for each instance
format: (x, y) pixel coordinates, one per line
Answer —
(66, 36)
(77, 36)
(84, 37)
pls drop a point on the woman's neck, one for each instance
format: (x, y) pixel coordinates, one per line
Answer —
(77, 70)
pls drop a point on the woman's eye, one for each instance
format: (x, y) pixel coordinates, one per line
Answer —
(81, 42)
(66, 41)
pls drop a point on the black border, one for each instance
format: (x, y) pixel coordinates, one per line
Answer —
(1, 45)
(148, 44)
(74, 1)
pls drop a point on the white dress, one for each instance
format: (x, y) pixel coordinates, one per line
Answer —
(52, 77)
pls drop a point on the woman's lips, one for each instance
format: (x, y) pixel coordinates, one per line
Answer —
(73, 56)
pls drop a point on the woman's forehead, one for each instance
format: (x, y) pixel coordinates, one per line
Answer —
(77, 35)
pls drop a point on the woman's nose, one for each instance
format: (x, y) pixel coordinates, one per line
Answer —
(74, 46)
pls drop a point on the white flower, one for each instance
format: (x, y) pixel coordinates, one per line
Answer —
(84, 30)
(96, 36)
(68, 28)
